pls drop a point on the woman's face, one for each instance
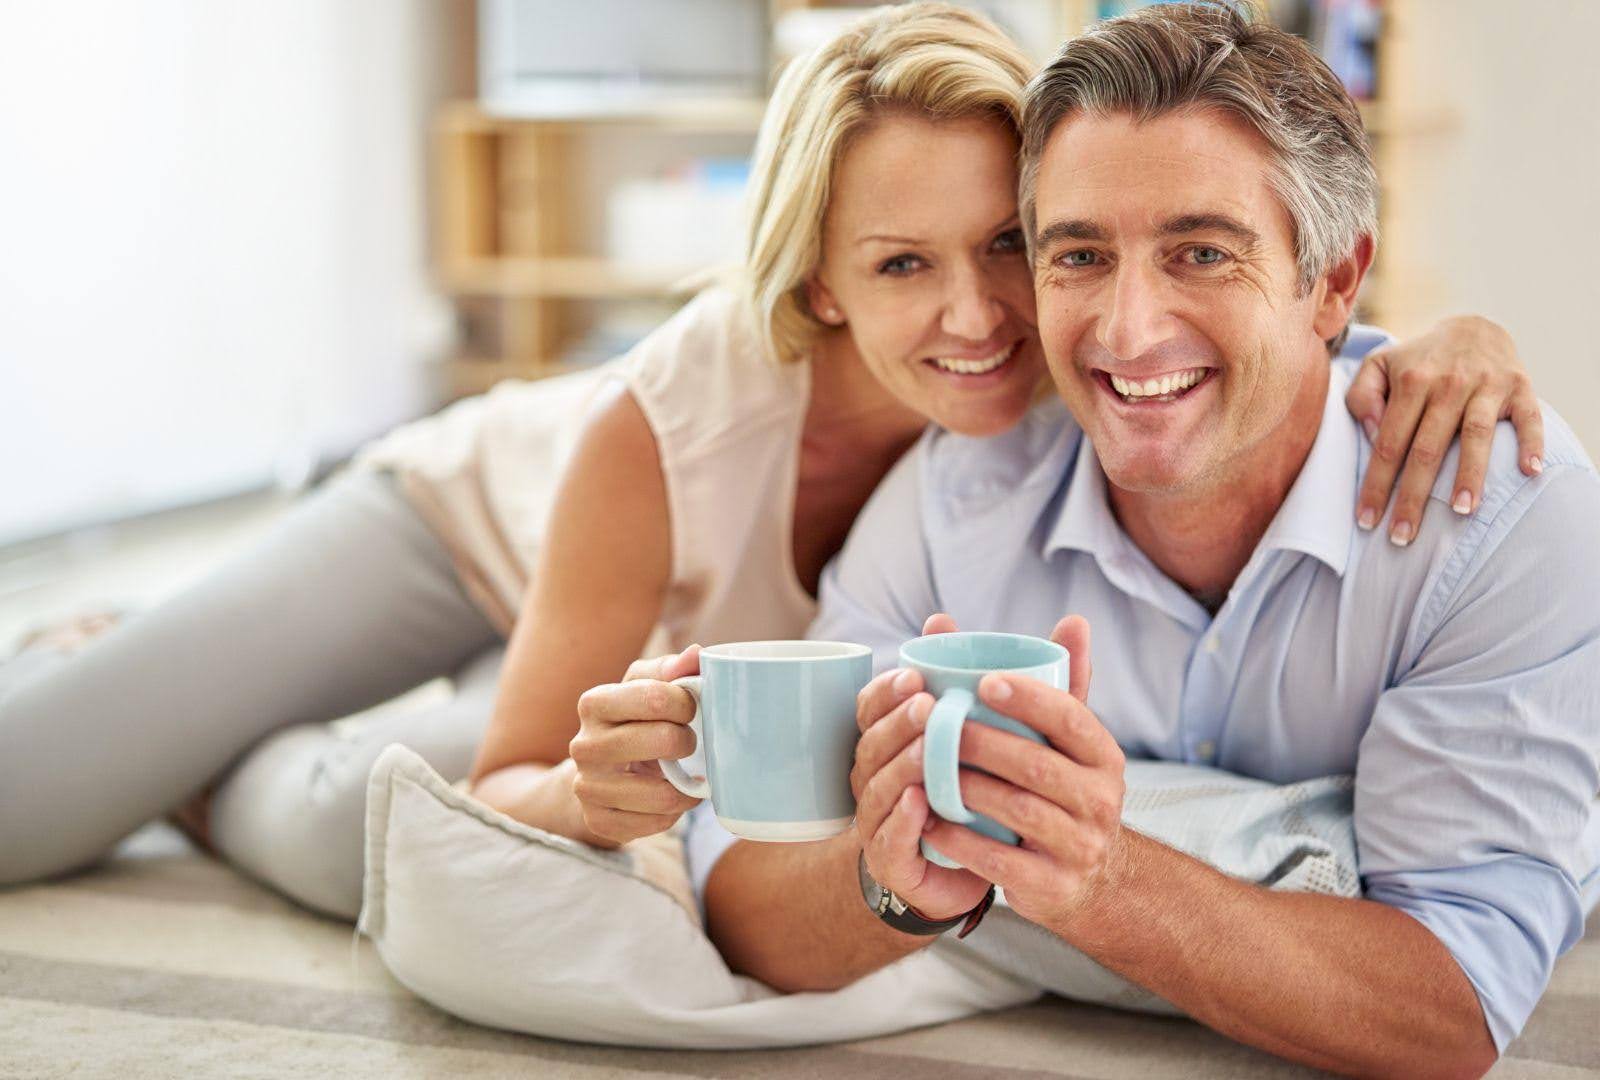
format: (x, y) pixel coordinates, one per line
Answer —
(923, 263)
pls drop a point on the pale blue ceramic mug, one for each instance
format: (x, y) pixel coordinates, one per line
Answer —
(777, 723)
(952, 665)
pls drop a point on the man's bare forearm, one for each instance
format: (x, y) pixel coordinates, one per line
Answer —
(1348, 985)
(792, 915)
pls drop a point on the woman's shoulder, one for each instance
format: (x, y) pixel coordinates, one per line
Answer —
(704, 372)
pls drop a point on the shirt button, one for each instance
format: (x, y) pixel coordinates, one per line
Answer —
(1211, 644)
(1206, 750)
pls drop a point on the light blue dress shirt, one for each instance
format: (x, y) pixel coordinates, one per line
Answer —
(1457, 679)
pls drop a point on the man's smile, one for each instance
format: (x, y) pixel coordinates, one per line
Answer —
(1151, 390)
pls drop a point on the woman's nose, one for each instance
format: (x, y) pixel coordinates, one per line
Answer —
(972, 312)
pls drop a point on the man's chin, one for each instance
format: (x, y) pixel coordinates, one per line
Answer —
(1158, 471)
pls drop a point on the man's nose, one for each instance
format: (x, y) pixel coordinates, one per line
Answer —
(972, 311)
(1139, 318)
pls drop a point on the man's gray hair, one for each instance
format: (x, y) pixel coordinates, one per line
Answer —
(1218, 55)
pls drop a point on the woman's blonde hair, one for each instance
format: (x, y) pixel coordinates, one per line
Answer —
(932, 59)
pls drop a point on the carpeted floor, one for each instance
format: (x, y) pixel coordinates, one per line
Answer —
(160, 963)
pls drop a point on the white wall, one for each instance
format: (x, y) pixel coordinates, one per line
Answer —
(213, 263)
(1507, 205)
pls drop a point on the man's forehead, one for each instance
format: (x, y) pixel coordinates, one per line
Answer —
(1121, 174)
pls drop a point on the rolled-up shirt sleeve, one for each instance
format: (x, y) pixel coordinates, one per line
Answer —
(875, 592)
(1476, 782)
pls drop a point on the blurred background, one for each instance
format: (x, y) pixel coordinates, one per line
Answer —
(241, 238)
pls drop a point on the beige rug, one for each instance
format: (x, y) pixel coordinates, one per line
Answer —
(161, 963)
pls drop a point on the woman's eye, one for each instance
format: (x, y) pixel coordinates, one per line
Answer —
(900, 265)
(1077, 258)
(1207, 256)
(1010, 242)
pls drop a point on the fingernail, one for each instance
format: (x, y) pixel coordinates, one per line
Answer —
(904, 681)
(1370, 426)
(1537, 465)
(999, 689)
(1400, 535)
(916, 750)
(920, 711)
(1463, 503)
(927, 826)
(1368, 518)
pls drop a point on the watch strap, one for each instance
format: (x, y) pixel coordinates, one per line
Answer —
(905, 919)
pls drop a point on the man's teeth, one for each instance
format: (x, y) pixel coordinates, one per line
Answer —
(975, 367)
(1165, 385)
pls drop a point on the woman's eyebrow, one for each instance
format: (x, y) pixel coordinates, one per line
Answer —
(1010, 219)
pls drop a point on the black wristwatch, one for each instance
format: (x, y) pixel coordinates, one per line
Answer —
(894, 911)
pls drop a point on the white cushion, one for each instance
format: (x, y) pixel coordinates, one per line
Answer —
(510, 926)
(506, 925)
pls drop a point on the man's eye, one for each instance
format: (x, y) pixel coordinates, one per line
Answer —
(1207, 256)
(1078, 258)
(900, 265)
(1010, 242)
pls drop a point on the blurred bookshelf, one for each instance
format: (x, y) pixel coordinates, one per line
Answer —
(543, 241)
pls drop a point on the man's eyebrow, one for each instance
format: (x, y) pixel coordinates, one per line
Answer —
(1210, 222)
(1074, 229)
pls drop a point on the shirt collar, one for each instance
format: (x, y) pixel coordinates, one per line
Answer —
(1317, 516)
(1084, 521)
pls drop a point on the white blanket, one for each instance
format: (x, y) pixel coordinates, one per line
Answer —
(506, 925)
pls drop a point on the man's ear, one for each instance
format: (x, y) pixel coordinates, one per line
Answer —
(1340, 285)
(823, 306)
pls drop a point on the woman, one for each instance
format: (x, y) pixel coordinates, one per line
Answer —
(704, 481)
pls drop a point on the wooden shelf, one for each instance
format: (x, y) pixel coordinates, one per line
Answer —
(710, 116)
(565, 277)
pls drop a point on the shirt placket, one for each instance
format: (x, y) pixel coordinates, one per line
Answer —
(1214, 662)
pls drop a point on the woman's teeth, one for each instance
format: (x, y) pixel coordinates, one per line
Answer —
(975, 367)
(1166, 388)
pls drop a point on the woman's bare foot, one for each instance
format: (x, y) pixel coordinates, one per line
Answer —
(193, 819)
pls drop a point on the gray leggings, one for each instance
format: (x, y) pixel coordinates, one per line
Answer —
(349, 601)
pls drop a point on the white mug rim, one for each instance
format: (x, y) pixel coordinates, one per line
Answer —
(923, 665)
(838, 650)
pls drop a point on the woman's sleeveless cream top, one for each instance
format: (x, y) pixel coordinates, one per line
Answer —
(727, 422)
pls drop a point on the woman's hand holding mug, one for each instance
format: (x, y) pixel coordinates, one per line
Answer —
(623, 729)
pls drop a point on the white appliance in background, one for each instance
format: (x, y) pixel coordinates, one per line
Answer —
(690, 219)
(554, 58)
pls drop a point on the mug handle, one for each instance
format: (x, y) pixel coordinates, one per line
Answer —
(941, 756)
(696, 787)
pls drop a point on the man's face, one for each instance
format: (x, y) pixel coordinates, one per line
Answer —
(1167, 299)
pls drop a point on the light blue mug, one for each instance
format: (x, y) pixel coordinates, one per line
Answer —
(777, 723)
(952, 665)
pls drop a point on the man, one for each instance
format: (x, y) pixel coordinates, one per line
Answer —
(1200, 202)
